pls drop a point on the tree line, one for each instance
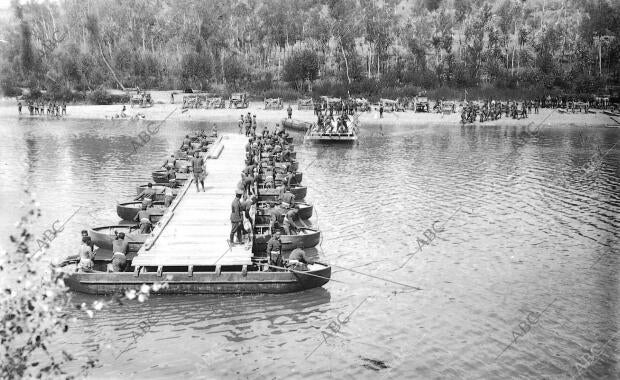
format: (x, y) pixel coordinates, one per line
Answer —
(330, 47)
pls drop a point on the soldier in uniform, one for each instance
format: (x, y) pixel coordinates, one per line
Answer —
(274, 249)
(199, 172)
(236, 219)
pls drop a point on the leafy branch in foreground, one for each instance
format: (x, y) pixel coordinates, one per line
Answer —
(33, 305)
(35, 309)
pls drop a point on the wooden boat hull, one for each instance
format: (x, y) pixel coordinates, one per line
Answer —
(296, 125)
(270, 194)
(129, 210)
(305, 210)
(103, 236)
(307, 238)
(331, 138)
(252, 282)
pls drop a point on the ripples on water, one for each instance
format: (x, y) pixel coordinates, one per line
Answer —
(527, 230)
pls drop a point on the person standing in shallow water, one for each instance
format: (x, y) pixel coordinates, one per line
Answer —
(289, 111)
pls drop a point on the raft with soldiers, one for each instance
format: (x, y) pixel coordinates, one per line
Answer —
(343, 129)
(186, 234)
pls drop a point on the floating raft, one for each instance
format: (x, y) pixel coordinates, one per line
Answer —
(189, 249)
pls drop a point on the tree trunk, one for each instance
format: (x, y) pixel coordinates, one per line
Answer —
(109, 67)
(346, 62)
(600, 69)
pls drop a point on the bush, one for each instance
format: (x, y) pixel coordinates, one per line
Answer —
(302, 66)
(327, 87)
(101, 97)
(286, 93)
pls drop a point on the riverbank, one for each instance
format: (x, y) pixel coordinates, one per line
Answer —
(163, 109)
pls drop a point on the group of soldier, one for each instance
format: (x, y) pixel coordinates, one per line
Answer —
(39, 107)
(492, 110)
(327, 124)
(249, 122)
(338, 108)
(268, 164)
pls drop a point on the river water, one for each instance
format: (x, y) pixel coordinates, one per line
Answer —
(513, 239)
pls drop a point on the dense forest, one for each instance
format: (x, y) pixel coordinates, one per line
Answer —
(287, 48)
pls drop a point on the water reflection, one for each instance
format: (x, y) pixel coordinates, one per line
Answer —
(537, 228)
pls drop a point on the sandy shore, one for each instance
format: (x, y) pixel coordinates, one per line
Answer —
(164, 109)
(547, 117)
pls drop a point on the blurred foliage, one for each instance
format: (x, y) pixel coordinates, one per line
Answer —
(363, 46)
(33, 309)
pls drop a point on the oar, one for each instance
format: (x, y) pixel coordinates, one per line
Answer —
(373, 276)
(306, 273)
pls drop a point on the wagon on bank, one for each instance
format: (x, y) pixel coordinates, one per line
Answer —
(422, 104)
(215, 102)
(305, 104)
(407, 103)
(239, 100)
(390, 105)
(273, 104)
(143, 99)
(359, 104)
(196, 100)
(447, 108)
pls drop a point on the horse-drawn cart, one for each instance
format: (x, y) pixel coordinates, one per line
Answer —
(305, 104)
(273, 104)
(239, 100)
(215, 102)
(143, 99)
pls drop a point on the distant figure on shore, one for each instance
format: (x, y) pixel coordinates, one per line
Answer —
(19, 107)
(123, 114)
(381, 111)
(289, 111)
(172, 98)
(64, 108)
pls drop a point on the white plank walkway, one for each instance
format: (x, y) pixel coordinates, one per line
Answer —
(197, 229)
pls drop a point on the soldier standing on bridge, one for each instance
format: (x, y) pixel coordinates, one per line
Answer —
(236, 219)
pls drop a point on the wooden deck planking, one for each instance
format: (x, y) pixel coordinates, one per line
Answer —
(198, 231)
